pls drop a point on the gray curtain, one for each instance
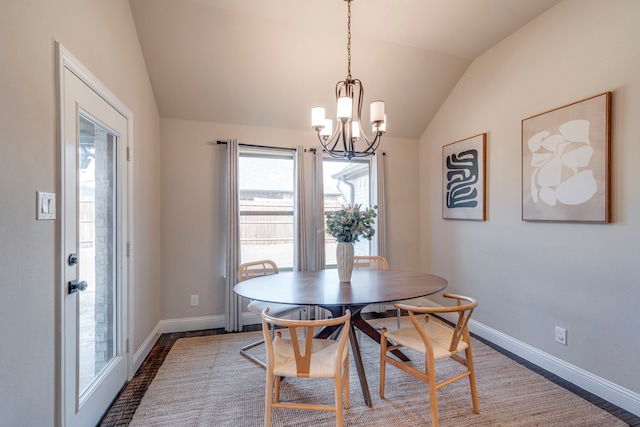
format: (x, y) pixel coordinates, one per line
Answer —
(233, 303)
(301, 246)
(318, 209)
(378, 199)
(378, 168)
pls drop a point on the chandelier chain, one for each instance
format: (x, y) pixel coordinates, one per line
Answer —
(349, 39)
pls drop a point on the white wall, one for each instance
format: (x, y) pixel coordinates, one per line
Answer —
(101, 34)
(193, 247)
(529, 277)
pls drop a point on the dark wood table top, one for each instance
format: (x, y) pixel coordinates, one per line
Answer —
(323, 288)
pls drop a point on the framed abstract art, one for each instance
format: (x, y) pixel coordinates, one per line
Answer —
(566, 163)
(463, 179)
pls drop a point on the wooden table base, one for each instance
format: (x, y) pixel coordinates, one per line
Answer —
(357, 322)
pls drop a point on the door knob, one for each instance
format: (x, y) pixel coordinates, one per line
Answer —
(75, 286)
(72, 259)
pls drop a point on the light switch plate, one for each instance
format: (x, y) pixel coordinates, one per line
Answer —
(45, 205)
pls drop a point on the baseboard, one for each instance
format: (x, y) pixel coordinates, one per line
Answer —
(192, 324)
(605, 389)
(204, 322)
(145, 348)
(173, 325)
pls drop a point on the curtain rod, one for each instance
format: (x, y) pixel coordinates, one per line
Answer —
(311, 150)
(260, 146)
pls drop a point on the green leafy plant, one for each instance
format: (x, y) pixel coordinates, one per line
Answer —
(351, 223)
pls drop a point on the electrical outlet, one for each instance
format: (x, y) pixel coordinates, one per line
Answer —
(561, 335)
(194, 300)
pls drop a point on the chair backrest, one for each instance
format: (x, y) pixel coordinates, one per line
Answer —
(253, 269)
(460, 329)
(370, 262)
(301, 333)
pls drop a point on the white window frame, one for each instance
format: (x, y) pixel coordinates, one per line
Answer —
(267, 153)
(371, 189)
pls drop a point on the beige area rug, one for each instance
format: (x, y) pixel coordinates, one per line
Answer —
(205, 382)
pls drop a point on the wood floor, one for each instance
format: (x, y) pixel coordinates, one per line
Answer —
(124, 406)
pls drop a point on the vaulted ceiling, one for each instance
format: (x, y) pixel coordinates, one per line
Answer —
(267, 62)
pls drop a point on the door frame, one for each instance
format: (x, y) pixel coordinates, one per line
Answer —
(65, 60)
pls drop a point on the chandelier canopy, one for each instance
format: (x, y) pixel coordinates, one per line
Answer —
(349, 97)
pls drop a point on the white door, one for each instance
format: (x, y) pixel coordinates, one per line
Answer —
(94, 241)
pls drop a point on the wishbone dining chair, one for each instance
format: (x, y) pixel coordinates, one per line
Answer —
(293, 352)
(251, 270)
(436, 340)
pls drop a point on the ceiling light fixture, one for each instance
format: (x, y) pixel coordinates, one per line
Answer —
(349, 96)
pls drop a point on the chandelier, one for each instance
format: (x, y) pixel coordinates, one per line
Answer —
(349, 96)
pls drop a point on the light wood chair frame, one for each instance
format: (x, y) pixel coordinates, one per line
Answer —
(374, 262)
(300, 341)
(460, 331)
(250, 270)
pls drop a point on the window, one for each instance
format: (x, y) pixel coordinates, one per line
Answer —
(266, 194)
(345, 182)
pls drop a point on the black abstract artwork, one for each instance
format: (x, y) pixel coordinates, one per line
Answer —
(462, 174)
(463, 179)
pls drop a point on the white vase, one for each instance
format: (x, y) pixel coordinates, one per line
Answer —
(344, 259)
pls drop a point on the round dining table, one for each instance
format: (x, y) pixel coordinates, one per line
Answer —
(324, 289)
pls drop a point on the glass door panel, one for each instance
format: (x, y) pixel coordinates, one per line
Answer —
(97, 216)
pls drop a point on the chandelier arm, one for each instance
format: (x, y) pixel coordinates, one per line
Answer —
(335, 136)
(357, 83)
(367, 140)
(339, 154)
(371, 148)
(371, 142)
(376, 137)
(333, 139)
(327, 142)
(346, 139)
(336, 140)
(339, 86)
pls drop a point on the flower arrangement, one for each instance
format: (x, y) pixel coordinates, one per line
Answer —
(351, 222)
